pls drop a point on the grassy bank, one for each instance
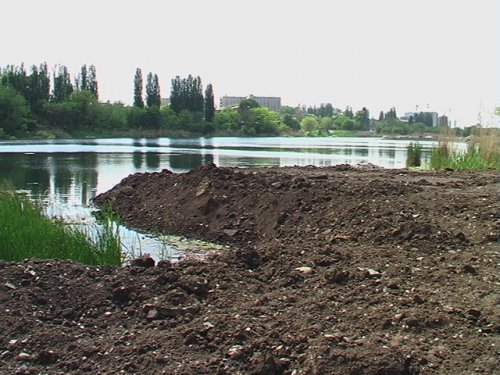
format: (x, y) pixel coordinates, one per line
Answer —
(25, 232)
(482, 152)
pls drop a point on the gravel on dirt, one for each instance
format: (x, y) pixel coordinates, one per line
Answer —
(337, 270)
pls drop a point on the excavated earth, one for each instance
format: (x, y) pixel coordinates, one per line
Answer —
(335, 270)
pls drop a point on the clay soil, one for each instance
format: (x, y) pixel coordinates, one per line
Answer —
(326, 271)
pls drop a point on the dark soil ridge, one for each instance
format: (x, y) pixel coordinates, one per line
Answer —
(331, 271)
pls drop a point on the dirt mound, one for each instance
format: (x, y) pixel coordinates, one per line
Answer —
(330, 271)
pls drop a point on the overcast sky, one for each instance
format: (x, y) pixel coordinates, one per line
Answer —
(438, 54)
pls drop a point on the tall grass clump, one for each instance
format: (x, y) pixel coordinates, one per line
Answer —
(413, 155)
(25, 232)
(482, 152)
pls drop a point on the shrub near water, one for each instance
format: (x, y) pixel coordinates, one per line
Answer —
(26, 233)
(414, 155)
(477, 156)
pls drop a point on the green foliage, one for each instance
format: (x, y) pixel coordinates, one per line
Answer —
(362, 119)
(476, 156)
(309, 124)
(138, 84)
(14, 112)
(247, 104)
(343, 122)
(62, 84)
(291, 121)
(227, 120)
(265, 121)
(153, 97)
(187, 94)
(413, 155)
(209, 103)
(26, 233)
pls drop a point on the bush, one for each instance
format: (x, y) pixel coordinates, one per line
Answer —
(414, 155)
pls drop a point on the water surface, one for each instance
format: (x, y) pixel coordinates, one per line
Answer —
(67, 174)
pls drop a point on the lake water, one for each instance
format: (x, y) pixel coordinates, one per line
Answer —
(67, 174)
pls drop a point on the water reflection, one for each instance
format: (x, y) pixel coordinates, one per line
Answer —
(75, 170)
(69, 173)
(189, 161)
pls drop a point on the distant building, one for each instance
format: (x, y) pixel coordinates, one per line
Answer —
(271, 102)
(418, 116)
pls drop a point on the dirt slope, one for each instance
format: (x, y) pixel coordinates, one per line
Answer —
(330, 271)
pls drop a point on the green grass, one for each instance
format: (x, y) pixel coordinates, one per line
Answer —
(25, 232)
(476, 156)
(414, 155)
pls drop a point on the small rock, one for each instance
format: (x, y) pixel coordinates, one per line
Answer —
(235, 351)
(164, 264)
(145, 261)
(475, 313)
(336, 276)
(25, 357)
(208, 325)
(121, 294)
(467, 268)
(153, 314)
(10, 286)
(230, 232)
(417, 299)
(393, 286)
(373, 272)
(162, 359)
(47, 357)
(305, 270)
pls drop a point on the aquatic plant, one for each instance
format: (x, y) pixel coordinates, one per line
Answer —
(413, 155)
(25, 232)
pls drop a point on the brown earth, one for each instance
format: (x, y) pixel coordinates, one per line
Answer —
(330, 271)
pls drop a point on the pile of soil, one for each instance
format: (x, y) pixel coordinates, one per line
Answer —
(327, 271)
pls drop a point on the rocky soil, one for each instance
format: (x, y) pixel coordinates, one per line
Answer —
(327, 271)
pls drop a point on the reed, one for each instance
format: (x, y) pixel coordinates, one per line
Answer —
(413, 155)
(25, 232)
(482, 152)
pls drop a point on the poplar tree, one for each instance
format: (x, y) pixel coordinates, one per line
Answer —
(62, 84)
(92, 82)
(209, 103)
(152, 91)
(138, 100)
(81, 80)
(187, 94)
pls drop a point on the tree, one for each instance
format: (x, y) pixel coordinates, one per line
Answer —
(309, 124)
(290, 121)
(81, 81)
(138, 100)
(265, 121)
(247, 104)
(209, 103)
(187, 94)
(227, 119)
(14, 111)
(153, 97)
(62, 84)
(92, 82)
(362, 118)
(348, 112)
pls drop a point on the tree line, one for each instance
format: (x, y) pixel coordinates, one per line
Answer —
(36, 102)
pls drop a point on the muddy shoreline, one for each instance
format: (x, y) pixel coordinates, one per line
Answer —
(333, 270)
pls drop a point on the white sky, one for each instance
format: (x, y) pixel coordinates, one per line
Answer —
(374, 53)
